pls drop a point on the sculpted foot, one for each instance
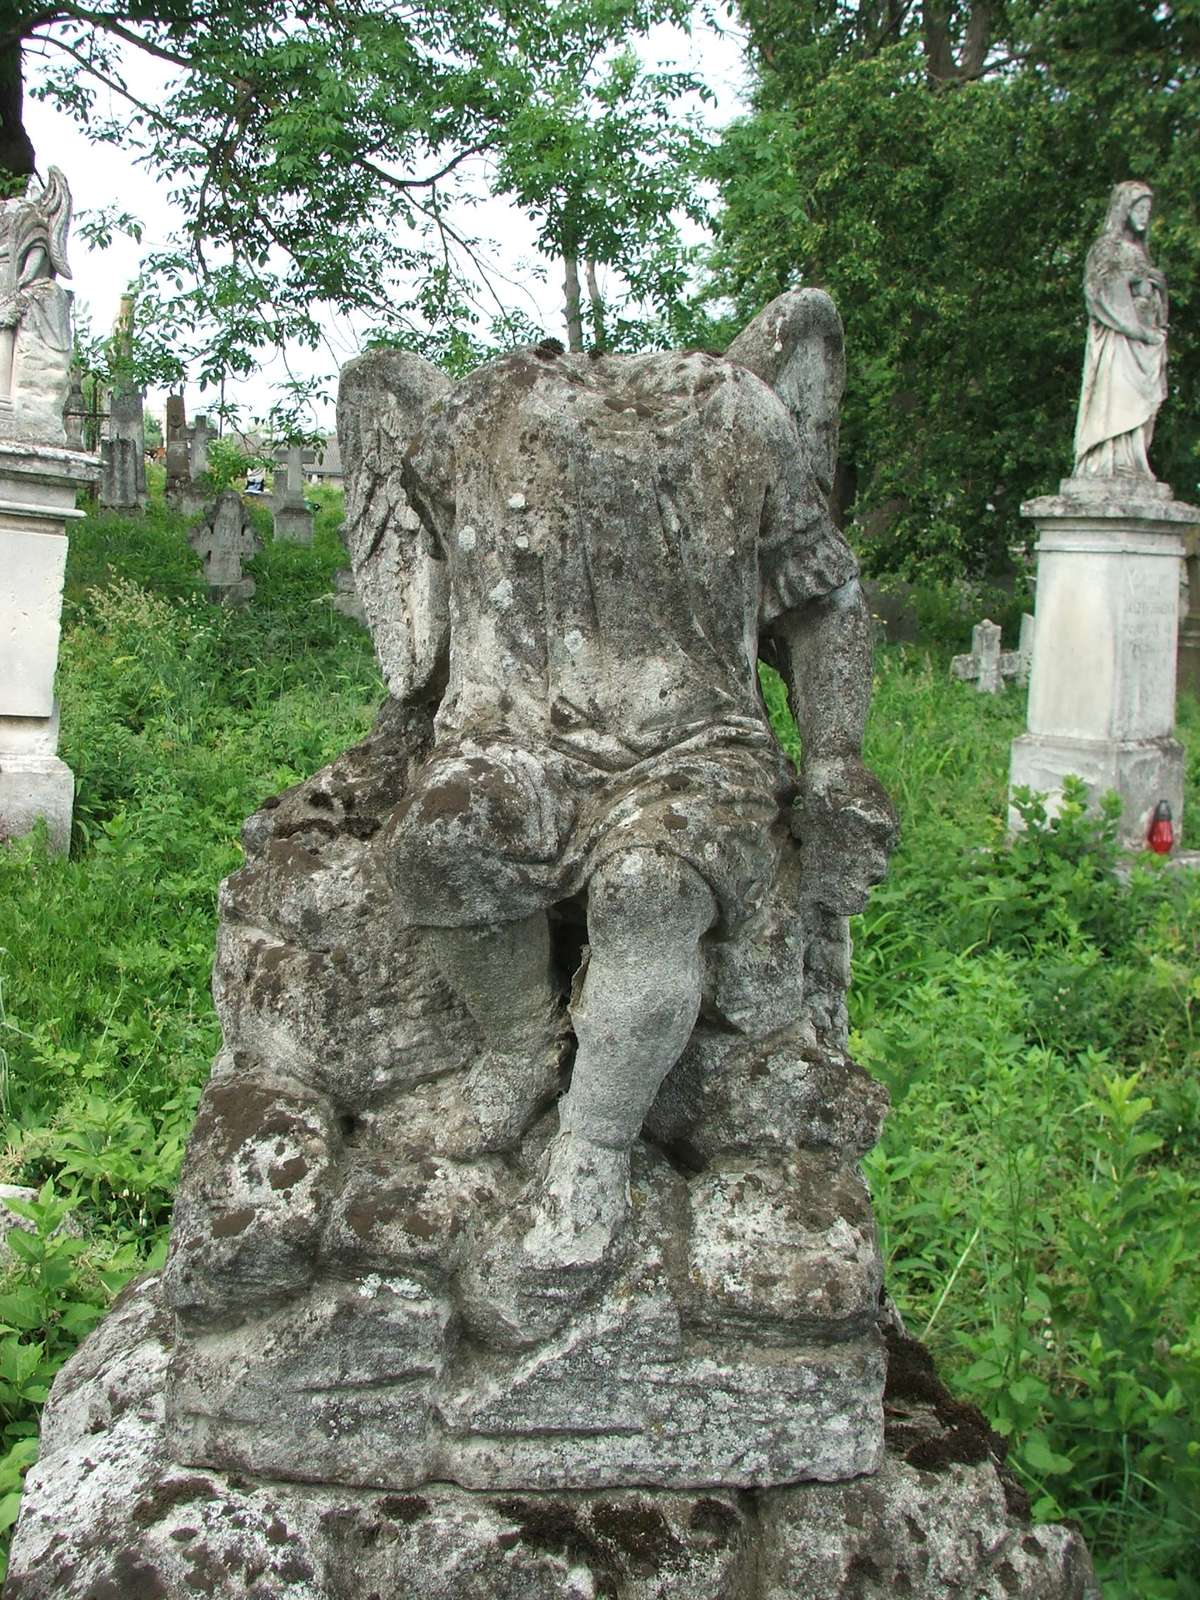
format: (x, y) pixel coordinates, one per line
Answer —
(506, 1091)
(562, 1241)
(581, 1208)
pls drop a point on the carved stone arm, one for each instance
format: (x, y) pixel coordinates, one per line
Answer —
(843, 819)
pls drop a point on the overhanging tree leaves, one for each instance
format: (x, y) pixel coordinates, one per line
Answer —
(941, 166)
(327, 154)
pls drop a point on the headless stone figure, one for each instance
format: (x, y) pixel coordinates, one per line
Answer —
(596, 551)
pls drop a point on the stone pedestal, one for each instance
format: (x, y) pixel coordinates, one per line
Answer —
(1102, 684)
(1189, 621)
(38, 485)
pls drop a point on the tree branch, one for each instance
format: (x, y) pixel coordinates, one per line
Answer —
(393, 182)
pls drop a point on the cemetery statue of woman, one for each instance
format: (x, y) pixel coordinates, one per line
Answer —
(35, 312)
(1125, 363)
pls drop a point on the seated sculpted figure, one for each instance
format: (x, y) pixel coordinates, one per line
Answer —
(606, 544)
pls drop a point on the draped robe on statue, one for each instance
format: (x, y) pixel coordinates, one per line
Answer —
(1124, 378)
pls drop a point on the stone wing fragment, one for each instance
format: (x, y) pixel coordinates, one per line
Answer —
(796, 345)
(382, 399)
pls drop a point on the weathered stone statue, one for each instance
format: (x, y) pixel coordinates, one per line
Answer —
(522, 1229)
(1125, 363)
(1110, 557)
(40, 479)
(608, 578)
(35, 312)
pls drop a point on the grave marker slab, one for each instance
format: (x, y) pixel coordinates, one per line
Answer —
(223, 541)
(293, 519)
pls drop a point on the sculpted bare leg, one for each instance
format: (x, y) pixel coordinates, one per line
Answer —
(501, 973)
(646, 915)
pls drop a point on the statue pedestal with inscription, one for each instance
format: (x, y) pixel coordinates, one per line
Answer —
(38, 485)
(1189, 622)
(1102, 685)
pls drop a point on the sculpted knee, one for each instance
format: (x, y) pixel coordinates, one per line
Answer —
(647, 893)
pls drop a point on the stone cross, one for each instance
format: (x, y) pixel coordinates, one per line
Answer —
(223, 541)
(293, 519)
(987, 664)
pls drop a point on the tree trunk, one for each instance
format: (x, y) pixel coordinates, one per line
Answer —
(571, 293)
(16, 147)
(978, 39)
(935, 29)
(596, 300)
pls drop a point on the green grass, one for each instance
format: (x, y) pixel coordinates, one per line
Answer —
(1035, 1021)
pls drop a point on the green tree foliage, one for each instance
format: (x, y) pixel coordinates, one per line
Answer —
(941, 166)
(326, 155)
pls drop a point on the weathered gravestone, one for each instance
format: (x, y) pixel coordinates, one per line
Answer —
(987, 665)
(39, 481)
(1110, 547)
(198, 437)
(522, 1230)
(178, 452)
(223, 540)
(123, 453)
(345, 596)
(75, 412)
(293, 518)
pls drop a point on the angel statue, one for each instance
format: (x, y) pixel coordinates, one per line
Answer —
(35, 312)
(581, 558)
(1125, 362)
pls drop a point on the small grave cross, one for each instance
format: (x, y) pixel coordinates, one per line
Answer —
(987, 664)
(225, 539)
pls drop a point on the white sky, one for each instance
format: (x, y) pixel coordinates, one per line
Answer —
(100, 175)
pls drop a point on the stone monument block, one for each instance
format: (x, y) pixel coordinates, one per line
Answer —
(30, 605)
(123, 474)
(39, 482)
(521, 1246)
(1189, 621)
(175, 440)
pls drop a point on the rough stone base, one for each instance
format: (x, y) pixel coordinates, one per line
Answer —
(294, 524)
(107, 1516)
(232, 594)
(1142, 772)
(34, 788)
